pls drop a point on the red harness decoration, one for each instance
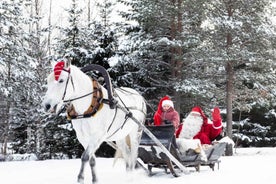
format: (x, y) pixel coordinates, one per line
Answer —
(58, 69)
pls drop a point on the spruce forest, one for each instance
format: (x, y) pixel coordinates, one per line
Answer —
(199, 52)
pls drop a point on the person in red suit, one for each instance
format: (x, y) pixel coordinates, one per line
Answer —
(166, 113)
(198, 126)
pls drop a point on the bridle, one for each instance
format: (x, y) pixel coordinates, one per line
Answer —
(66, 85)
(96, 102)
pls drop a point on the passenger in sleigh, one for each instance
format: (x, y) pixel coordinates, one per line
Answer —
(197, 130)
(198, 126)
(166, 114)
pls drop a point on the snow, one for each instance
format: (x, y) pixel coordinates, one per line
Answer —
(247, 165)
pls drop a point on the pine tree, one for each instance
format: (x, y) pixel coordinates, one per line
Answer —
(26, 72)
(160, 47)
(84, 44)
(235, 56)
(16, 67)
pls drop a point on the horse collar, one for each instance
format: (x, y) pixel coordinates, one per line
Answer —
(95, 106)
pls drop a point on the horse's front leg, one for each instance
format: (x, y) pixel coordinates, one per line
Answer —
(92, 162)
(84, 160)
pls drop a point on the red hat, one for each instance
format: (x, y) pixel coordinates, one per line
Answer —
(58, 68)
(197, 109)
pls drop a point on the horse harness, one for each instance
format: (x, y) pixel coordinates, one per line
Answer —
(96, 104)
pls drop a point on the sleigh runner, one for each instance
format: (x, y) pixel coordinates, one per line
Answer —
(153, 157)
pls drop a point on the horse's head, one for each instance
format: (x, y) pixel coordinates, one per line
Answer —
(58, 87)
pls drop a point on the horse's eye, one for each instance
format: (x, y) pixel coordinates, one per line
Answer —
(61, 81)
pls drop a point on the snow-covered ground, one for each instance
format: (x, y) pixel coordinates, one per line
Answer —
(247, 165)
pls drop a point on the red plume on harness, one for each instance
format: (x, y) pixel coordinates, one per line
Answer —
(58, 69)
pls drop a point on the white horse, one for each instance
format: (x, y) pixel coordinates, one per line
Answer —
(93, 119)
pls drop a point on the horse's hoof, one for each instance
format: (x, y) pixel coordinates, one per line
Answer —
(80, 180)
(94, 180)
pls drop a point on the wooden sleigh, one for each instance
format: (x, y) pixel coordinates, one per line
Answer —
(153, 157)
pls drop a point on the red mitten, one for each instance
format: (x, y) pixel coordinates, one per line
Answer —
(216, 117)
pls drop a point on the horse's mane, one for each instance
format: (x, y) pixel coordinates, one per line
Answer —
(51, 77)
(76, 73)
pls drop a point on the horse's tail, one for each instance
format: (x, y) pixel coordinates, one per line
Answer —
(118, 153)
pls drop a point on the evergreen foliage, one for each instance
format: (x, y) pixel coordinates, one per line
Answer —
(239, 33)
(256, 128)
(181, 48)
(60, 140)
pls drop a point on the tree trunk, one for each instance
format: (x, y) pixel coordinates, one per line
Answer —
(7, 116)
(176, 51)
(229, 97)
(50, 25)
(6, 132)
(229, 83)
(88, 13)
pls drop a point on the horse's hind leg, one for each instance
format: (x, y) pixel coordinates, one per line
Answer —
(129, 149)
(125, 151)
(133, 151)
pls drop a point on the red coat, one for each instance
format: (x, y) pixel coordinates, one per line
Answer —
(209, 129)
(170, 115)
(157, 115)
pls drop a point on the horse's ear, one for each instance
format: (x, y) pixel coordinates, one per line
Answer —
(67, 62)
(53, 64)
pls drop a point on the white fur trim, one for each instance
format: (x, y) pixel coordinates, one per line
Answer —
(195, 112)
(217, 127)
(167, 102)
(185, 144)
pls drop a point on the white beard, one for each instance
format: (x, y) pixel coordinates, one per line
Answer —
(191, 127)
